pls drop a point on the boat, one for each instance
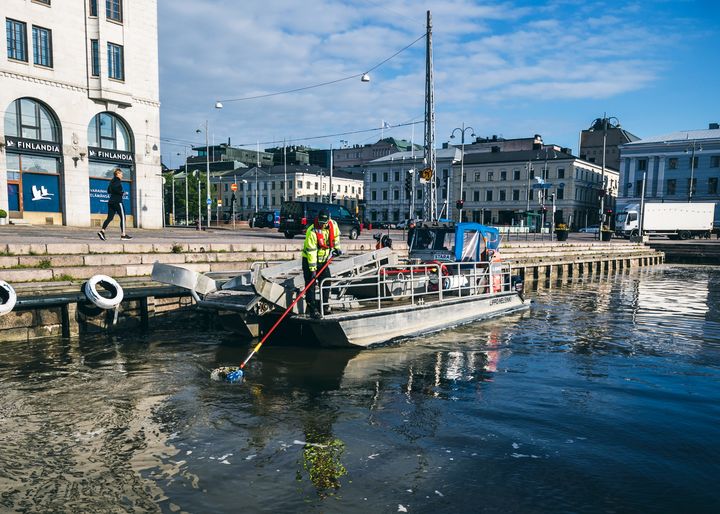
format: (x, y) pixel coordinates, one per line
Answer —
(453, 275)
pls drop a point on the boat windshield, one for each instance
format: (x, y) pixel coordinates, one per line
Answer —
(471, 239)
(433, 239)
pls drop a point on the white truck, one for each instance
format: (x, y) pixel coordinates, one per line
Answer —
(675, 220)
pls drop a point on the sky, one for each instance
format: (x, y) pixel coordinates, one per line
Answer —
(506, 68)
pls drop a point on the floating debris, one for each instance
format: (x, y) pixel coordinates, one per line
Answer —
(441, 495)
(401, 508)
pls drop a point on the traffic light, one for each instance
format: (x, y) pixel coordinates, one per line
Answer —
(408, 184)
(608, 211)
(459, 204)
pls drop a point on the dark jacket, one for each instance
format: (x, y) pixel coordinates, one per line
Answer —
(116, 190)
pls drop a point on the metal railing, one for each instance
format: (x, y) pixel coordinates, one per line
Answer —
(414, 284)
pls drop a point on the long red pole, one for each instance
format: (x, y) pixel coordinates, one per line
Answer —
(262, 341)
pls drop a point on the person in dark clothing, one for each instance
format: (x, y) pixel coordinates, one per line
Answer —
(115, 205)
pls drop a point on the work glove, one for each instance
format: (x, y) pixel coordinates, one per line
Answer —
(313, 273)
(337, 252)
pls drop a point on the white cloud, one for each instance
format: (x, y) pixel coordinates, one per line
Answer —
(487, 57)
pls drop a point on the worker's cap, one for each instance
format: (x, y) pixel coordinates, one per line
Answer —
(323, 216)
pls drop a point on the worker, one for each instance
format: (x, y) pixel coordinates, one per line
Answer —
(322, 239)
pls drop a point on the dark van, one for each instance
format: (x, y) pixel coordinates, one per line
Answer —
(296, 216)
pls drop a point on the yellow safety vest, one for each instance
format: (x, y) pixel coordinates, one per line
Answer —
(319, 243)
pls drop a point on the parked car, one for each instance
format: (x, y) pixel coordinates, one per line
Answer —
(265, 219)
(296, 216)
(592, 229)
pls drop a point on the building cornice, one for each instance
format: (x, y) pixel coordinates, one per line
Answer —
(68, 86)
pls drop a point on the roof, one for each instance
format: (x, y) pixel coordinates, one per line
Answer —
(519, 156)
(680, 136)
(440, 153)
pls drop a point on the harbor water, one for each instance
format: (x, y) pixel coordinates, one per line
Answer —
(603, 397)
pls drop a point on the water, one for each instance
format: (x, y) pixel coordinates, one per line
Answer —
(603, 397)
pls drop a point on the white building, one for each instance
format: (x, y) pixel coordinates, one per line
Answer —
(78, 97)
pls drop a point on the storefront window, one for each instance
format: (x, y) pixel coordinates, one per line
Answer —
(109, 147)
(29, 119)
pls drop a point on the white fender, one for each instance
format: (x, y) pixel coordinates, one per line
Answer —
(8, 297)
(91, 292)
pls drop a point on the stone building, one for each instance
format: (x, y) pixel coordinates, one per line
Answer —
(678, 167)
(79, 96)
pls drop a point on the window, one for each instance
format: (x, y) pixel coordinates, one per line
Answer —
(476, 196)
(642, 164)
(516, 195)
(16, 40)
(42, 46)
(95, 56)
(316, 186)
(502, 195)
(516, 174)
(532, 173)
(490, 176)
(503, 175)
(374, 177)
(397, 176)
(561, 173)
(488, 196)
(108, 131)
(93, 7)
(385, 176)
(671, 186)
(694, 185)
(712, 185)
(396, 195)
(113, 10)
(116, 66)
(32, 120)
(673, 163)
(638, 187)
(477, 176)
(385, 195)
(715, 161)
(694, 162)
(560, 194)
(373, 195)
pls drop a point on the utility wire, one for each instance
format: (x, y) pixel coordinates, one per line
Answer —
(322, 83)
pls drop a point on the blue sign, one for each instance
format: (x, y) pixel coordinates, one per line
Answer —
(209, 201)
(41, 192)
(542, 186)
(561, 185)
(99, 196)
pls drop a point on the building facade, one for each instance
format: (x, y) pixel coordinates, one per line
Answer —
(518, 188)
(79, 96)
(394, 190)
(259, 189)
(683, 166)
(359, 155)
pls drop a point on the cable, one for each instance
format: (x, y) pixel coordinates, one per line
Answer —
(304, 88)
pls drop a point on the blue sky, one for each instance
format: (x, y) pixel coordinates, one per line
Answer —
(512, 68)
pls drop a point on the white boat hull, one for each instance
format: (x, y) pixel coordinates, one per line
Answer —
(363, 329)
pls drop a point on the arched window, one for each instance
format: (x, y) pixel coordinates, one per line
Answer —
(33, 164)
(108, 131)
(29, 119)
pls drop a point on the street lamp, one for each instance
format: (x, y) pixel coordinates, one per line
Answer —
(462, 130)
(603, 122)
(692, 167)
(207, 169)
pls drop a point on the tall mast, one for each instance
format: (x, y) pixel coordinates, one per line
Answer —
(430, 199)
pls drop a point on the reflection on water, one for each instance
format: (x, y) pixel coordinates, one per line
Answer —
(603, 397)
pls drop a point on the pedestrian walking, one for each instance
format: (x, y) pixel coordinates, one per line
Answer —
(115, 205)
(322, 239)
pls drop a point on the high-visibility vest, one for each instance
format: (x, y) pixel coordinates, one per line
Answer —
(319, 242)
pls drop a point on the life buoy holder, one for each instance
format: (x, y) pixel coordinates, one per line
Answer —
(8, 298)
(109, 284)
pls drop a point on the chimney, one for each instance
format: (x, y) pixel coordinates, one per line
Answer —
(228, 141)
(714, 126)
(567, 151)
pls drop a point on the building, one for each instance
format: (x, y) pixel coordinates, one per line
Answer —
(604, 133)
(359, 155)
(518, 187)
(387, 195)
(500, 144)
(682, 166)
(79, 97)
(227, 152)
(265, 188)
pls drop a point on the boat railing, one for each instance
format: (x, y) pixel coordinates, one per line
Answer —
(414, 284)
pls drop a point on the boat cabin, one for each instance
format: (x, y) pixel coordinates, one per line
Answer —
(453, 242)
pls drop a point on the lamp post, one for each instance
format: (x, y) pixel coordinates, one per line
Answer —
(187, 204)
(462, 130)
(207, 169)
(285, 171)
(603, 122)
(196, 173)
(257, 165)
(691, 184)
